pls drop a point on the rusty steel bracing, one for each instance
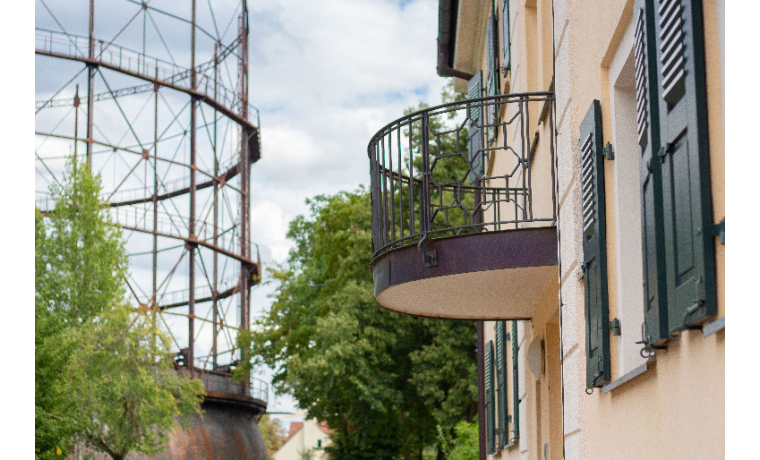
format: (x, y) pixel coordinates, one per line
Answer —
(163, 118)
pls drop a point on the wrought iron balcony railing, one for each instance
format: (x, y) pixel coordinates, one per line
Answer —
(460, 168)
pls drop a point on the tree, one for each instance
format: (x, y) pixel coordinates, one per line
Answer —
(381, 380)
(464, 445)
(104, 376)
(273, 433)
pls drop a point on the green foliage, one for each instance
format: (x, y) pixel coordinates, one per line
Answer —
(103, 376)
(381, 380)
(273, 433)
(463, 445)
(452, 205)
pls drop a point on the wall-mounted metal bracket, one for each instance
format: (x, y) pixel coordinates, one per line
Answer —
(608, 152)
(719, 229)
(431, 258)
(615, 327)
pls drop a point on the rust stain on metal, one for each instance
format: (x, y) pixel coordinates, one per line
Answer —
(240, 444)
(204, 435)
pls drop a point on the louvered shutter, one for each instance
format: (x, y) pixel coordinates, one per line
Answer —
(490, 419)
(502, 429)
(505, 38)
(684, 156)
(515, 384)
(492, 77)
(475, 129)
(647, 112)
(594, 249)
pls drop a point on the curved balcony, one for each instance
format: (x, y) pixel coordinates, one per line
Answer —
(464, 209)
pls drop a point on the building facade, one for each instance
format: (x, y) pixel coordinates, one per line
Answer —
(587, 235)
(305, 440)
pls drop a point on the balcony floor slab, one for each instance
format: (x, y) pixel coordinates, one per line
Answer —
(483, 276)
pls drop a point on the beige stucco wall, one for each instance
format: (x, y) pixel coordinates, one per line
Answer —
(540, 407)
(676, 408)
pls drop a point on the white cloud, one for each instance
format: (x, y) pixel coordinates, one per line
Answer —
(269, 230)
(326, 76)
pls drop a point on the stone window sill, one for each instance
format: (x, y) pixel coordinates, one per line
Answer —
(707, 330)
(630, 375)
(714, 326)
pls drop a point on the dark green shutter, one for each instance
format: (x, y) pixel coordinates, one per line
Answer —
(502, 429)
(492, 77)
(505, 38)
(648, 130)
(475, 129)
(689, 257)
(490, 419)
(515, 384)
(594, 249)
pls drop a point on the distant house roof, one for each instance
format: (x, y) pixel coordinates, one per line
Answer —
(295, 427)
(323, 426)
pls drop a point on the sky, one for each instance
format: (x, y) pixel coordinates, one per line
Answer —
(324, 75)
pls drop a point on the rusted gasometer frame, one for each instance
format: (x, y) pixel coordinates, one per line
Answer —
(154, 207)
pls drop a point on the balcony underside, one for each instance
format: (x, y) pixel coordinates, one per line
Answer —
(482, 276)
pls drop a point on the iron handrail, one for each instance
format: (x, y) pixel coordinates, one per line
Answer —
(432, 171)
(166, 224)
(222, 383)
(124, 58)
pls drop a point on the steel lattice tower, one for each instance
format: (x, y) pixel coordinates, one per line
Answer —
(154, 97)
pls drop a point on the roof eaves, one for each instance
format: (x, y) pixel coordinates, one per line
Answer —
(447, 29)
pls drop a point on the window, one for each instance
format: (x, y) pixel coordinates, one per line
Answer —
(492, 76)
(679, 266)
(502, 405)
(505, 37)
(628, 246)
(666, 148)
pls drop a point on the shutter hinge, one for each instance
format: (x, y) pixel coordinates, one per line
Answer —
(609, 153)
(583, 271)
(615, 327)
(664, 150)
(507, 337)
(650, 349)
(719, 230)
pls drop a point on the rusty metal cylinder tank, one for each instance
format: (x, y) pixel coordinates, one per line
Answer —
(226, 428)
(221, 431)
